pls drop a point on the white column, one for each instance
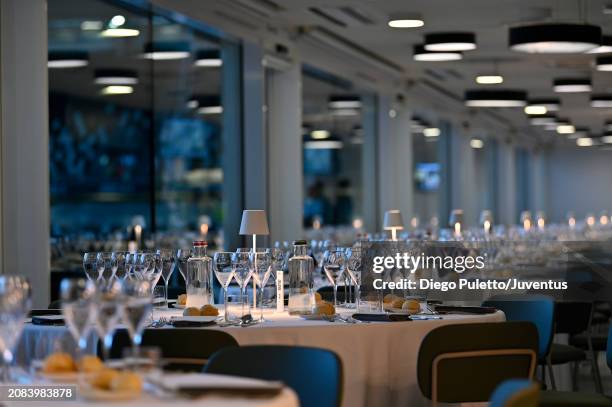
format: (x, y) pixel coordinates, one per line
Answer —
(395, 161)
(24, 137)
(286, 191)
(538, 182)
(507, 184)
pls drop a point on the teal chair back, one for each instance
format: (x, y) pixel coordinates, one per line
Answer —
(516, 393)
(537, 309)
(314, 374)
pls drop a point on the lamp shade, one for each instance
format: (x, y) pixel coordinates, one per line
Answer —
(456, 216)
(393, 220)
(254, 222)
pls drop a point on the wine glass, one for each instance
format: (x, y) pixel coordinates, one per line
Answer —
(152, 264)
(77, 297)
(105, 264)
(224, 271)
(354, 268)
(333, 265)
(167, 268)
(137, 306)
(107, 312)
(15, 303)
(261, 264)
(242, 273)
(119, 265)
(181, 257)
(90, 266)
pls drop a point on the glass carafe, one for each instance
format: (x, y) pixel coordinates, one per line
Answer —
(199, 276)
(301, 280)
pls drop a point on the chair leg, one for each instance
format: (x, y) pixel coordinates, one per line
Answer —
(595, 366)
(543, 367)
(552, 375)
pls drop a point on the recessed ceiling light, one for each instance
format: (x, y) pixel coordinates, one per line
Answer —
(319, 134)
(323, 144)
(451, 41)
(551, 105)
(535, 110)
(554, 38)
(566, 129)
(584, 142)
(495, 98)
(605, 47)
(601, 101)
(431, 132)
(116, 21)
(604, 64)
(489, 79)
(572, 85)
(406, 21)
(115, 77)
(67, 59)
(476, 143)
(165, 51)
(210, 110)
(344, 102)
(119, 32)
(208, 58)
(117, 90)
(422, 55)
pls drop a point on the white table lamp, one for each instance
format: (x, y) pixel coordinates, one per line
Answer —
(486, 220)
(254, 222)
(393, 221)
(456, 221)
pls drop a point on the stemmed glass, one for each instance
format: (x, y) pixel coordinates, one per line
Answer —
(90, 266)
(119, 264)
(136, 308)
(261, 264)
(333, 264)
(354, 268)
(107, 312)
(77, 297)
(181, 256)
(167, 268)
(106, 266)
(242, 273)
(152, 268)
(15, 303)
(224, 271)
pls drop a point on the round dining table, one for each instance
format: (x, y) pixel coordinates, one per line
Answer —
(379, 359)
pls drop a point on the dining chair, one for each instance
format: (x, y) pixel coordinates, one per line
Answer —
(537, 309)
(464, 363)
(182, 349)
(573, 318)
(516, 393)
(314, 374)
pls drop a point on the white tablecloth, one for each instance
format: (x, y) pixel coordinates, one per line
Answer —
(379, 359)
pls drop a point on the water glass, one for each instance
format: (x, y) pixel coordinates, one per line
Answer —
(333, 265)
(107, 313)
(136, 308)
(15, 303)
(261, 265)
(77, 297)
(222, 264)
(167, 268)
(90, 266)
(159, 297)
(242, 274)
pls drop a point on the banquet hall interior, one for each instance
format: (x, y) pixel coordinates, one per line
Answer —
(194, 194)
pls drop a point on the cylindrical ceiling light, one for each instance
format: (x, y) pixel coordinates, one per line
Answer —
(572, 85)
(601, 101)
(344, 102)
(542, 106)
(604, 64)
(492, 79)
(208, 58)
(495, 98)
(165, 51)
(450, 41)
(115, 77)
(605, 47)
(584, 142)
(67, 59)
(554, 38)
(406, 21)
(206, 104)
(422, 55)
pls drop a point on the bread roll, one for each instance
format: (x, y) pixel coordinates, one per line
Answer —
(126, 381)
(209, 310)
(191, 312)
(59, 362)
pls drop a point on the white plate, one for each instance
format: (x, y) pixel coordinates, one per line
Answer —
(90, 393)
(207, 318)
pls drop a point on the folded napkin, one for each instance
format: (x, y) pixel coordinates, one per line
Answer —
(382, 317)
(48, 320)
(456, 309)
(197, 384)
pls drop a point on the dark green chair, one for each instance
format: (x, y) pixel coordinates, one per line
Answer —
(314, 374)
(464, 363)
(516, 393)
(182, 349)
